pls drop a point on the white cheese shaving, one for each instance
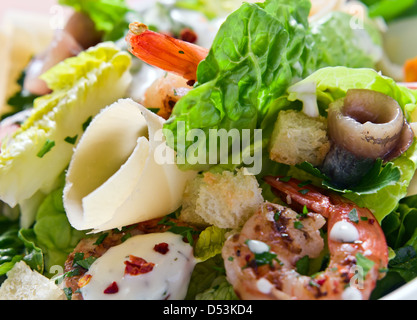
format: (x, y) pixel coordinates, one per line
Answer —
(114, 179)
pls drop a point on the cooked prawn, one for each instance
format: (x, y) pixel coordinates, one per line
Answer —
(167, 53)
(164, 93)
(288, 236)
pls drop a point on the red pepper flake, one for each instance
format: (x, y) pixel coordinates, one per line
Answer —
(188, 35)
(111, 289)
(162, 248)
(136, 266)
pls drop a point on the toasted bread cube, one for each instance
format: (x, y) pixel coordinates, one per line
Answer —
(298, 138)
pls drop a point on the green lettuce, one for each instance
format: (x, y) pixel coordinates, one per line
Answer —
(108, 16)
(208, 281)
(317, 91)
(400, 229)
(259, 51)
(53, 233)
(338, 39)
(34, 157)
(210, 243)
(391, 9)
(210, 8)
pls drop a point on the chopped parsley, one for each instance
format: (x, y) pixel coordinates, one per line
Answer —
(87, 123)
(71, 140)
(49, 144)
(304, 183)
(186, 232)
(263, 258)
(298, 225)
(305, 210)
(82, 262)
(353, 216)
(303, 191)
(364, 263)
(101, 238)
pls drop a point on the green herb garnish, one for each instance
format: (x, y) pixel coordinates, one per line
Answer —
(49, 144)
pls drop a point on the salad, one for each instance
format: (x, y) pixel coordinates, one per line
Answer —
(210, 150)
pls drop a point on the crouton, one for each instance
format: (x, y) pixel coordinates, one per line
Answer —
(298, 138)
(225, 199)
(23, 283)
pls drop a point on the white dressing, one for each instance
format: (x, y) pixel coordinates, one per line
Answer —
(168, 279)
(115, 178)
(352, 293)
(306, 92)
(344, 231)
(264, 285)
(257, 246)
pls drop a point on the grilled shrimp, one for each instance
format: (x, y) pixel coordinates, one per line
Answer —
(164, 93)
(261, 260)
(167, 53)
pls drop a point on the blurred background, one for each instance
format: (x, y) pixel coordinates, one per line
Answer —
(41, 6)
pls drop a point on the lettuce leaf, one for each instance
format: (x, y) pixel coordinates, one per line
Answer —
(210, 8)
(339, 40)
(400, 229)
(390, 9)
(250, 64)
(53, 233)
(220, 289)
(34, 157)
(260, 50)
(208, 281)
(210, 243)
(108, 16)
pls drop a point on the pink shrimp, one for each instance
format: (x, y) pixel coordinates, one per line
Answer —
(167, 53)
(358, 258)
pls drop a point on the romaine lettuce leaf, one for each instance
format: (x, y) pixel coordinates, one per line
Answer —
(34, 157)
(251, 63)
(338, 39)
(259, 51)
(400, 229)
(208, 281)
(220, 289)
(210, 243)
(52, 231)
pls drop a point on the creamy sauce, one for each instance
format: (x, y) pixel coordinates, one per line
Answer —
(351, 293)
(264, 286)
(168, 279)
(257, 246)
(344, 231)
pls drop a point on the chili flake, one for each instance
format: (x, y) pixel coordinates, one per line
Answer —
(111, 289)
(136, 266)
(162, 248)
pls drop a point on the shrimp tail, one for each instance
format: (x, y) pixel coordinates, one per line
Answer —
(297, 195)
(167, 53)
